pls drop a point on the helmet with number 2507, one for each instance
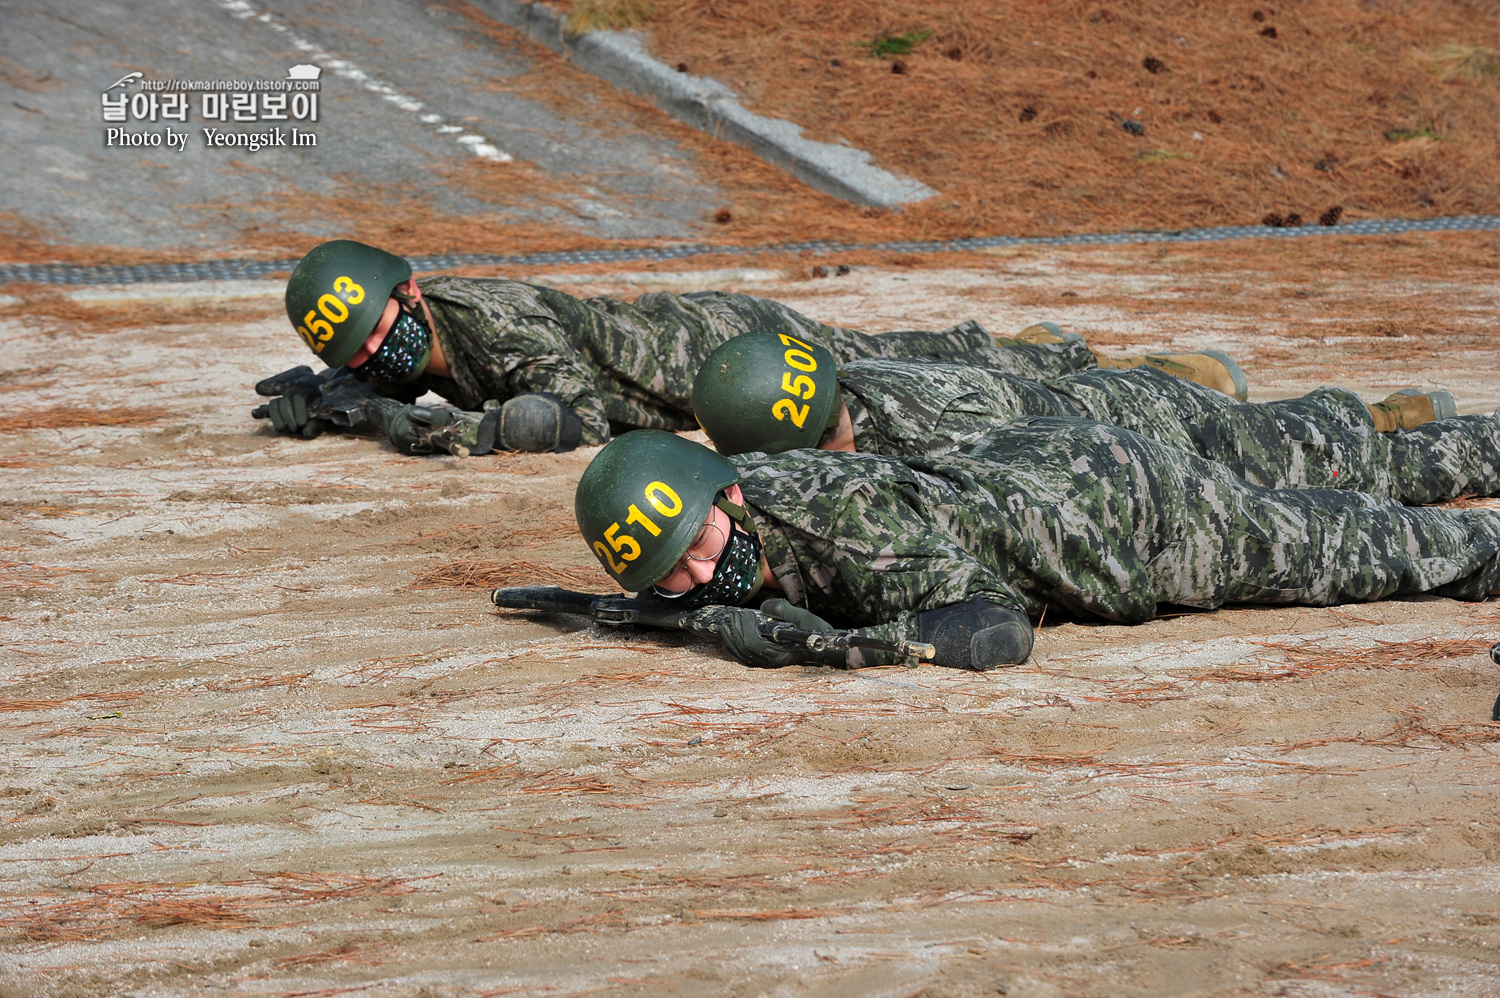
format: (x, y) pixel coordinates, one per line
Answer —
(766, 392)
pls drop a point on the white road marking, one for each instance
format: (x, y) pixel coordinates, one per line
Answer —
(477, 144)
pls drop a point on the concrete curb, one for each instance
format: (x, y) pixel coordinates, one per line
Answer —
(620, 59)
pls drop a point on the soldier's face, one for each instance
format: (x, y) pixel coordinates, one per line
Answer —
(387, 320)
(697, 564)
(841, 437)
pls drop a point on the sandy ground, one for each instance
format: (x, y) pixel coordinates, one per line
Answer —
(245, 753)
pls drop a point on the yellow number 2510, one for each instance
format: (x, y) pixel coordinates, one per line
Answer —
(664, 499)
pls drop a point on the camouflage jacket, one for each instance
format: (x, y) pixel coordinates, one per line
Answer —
(1092, 519)
(926, 409)
(627, 366)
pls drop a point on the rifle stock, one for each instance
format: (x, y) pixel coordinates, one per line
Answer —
(621, 610)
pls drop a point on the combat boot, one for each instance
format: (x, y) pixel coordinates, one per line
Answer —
(1412, 407)
(1209, 368)
(1045, 332)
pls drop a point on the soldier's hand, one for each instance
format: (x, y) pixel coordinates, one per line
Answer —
(411, 427)
(292, 414)
(740, 630)
(780, 609)
(539, 422)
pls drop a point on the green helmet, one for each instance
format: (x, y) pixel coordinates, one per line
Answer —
(337, 294)
(766, 392)
(643, 499)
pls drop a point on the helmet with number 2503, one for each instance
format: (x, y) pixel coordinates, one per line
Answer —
(643, 499)
(337, 293)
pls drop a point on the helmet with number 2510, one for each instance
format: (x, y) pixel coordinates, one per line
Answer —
(337, 293)
(643, 499)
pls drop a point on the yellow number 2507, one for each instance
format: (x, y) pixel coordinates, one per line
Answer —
(801, 387)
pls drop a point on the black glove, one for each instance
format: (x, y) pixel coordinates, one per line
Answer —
(539, 422)
(740, 630)
(780, 609)
(407, 426)
(289, 414)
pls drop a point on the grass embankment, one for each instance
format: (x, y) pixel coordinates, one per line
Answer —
(1043, 118)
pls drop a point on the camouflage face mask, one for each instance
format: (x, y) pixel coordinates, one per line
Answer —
(736, 577)
(403, 354)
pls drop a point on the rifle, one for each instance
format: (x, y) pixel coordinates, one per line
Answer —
(621, 611)
(339, 398)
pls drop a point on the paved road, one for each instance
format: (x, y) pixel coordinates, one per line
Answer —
(410, 100)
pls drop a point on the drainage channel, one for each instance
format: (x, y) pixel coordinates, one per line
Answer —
(222, 270)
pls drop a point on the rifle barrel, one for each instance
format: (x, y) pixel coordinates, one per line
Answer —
(821, 641)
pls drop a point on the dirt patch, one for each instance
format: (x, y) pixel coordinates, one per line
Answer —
(66, 416)
(489, 573)
(243, 750)
(28, 242)
(53, 308)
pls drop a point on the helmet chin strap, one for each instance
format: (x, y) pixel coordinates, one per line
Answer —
(741, 517)
(734, 511)
(835, 415)
(743, 544)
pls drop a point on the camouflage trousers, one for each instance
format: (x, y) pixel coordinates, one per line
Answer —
(968, 342)
(1324, 440)
(1115, 524)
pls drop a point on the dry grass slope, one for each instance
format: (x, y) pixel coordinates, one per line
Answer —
(1019, 112)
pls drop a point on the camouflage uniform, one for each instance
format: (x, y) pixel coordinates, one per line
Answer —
(1324, 440)
(622, 365)
(1092, 519)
